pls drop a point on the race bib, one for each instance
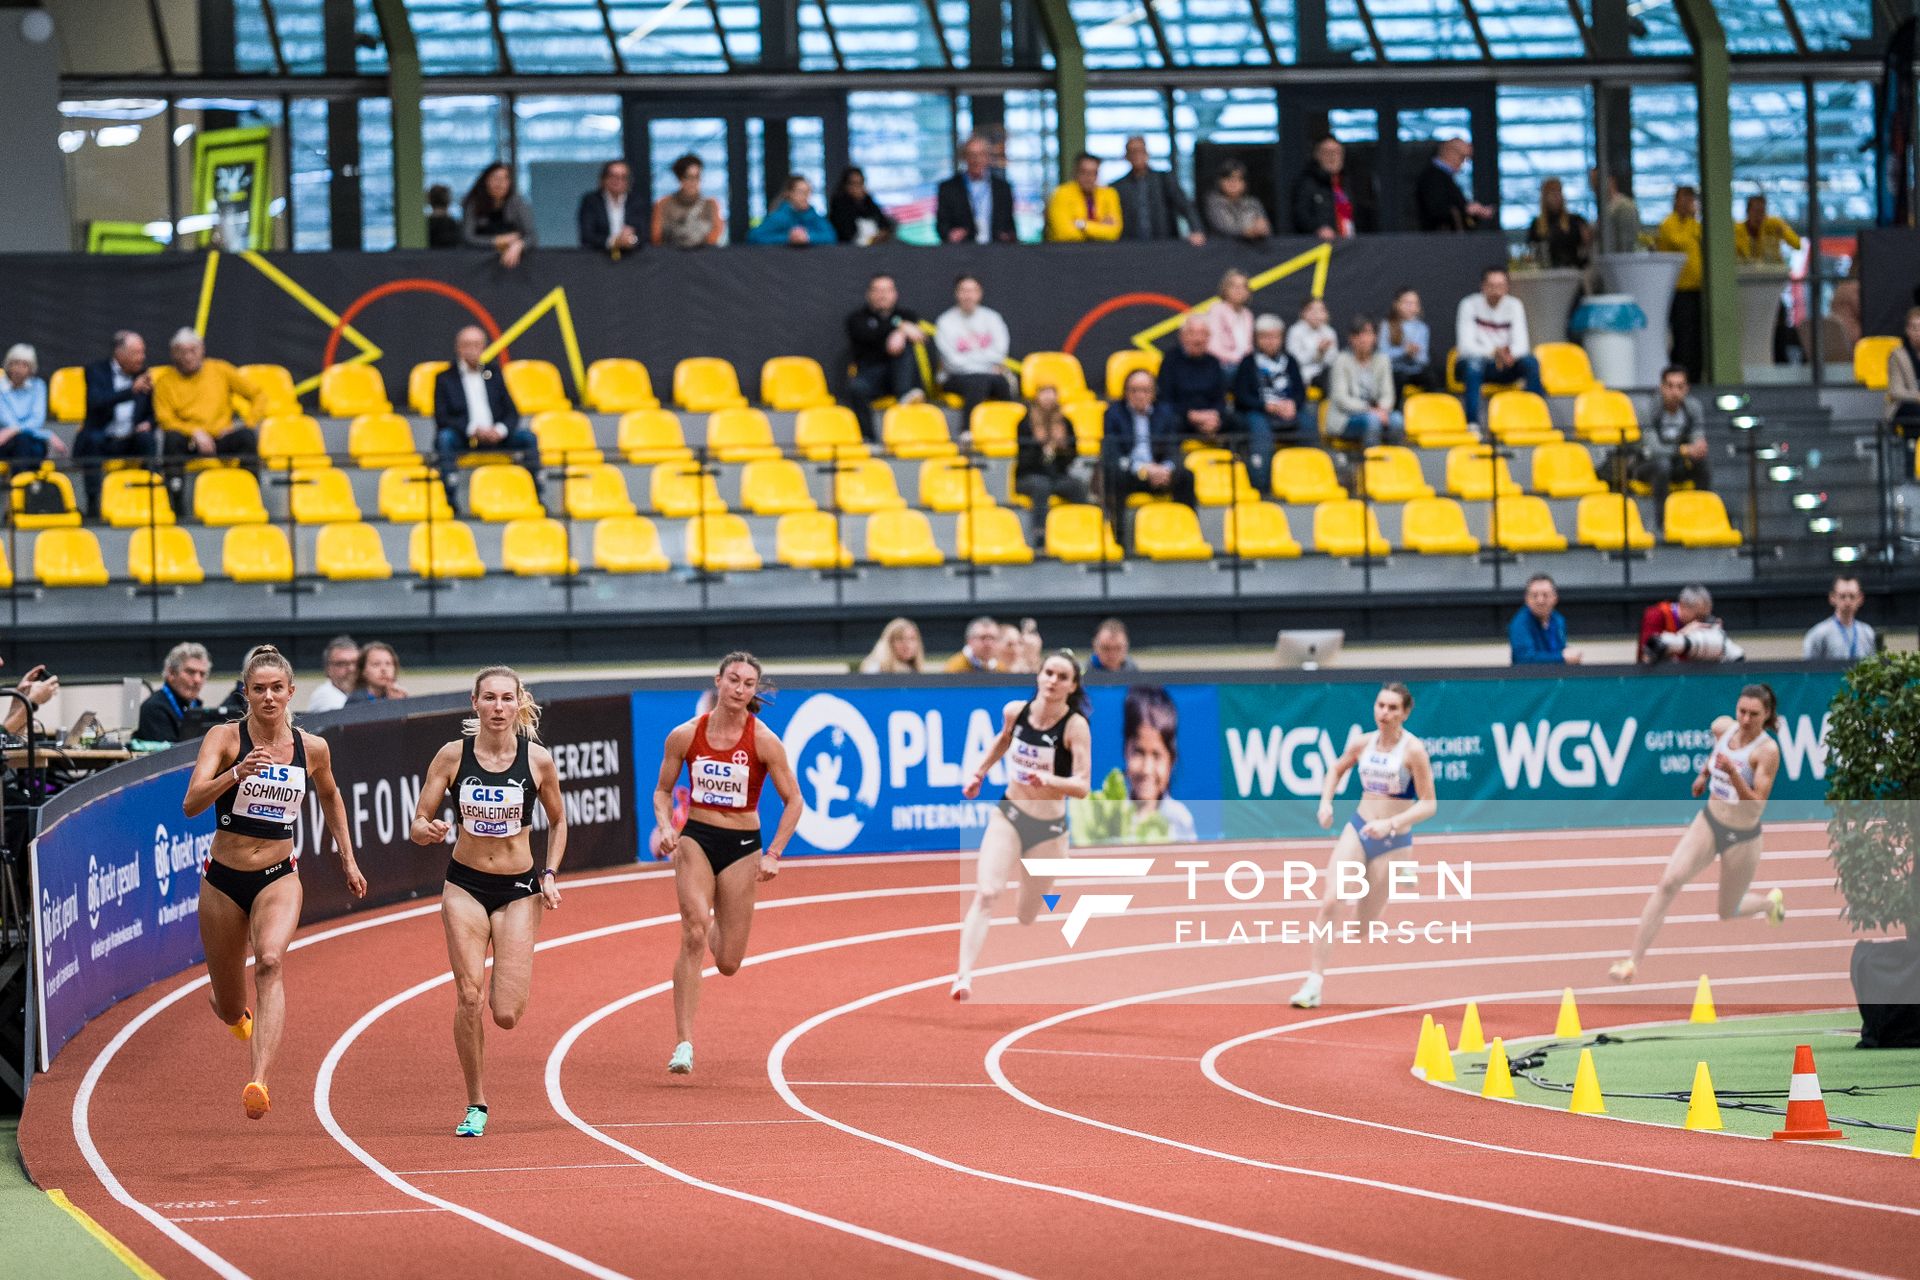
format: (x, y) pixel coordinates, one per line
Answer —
(1029, 757)
(488, 810)
(720, 784)
(272, 795)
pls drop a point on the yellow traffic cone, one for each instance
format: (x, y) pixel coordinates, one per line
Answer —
(1569, 1024)
(1499, 1081)
(1587, 1098)
(1703, 1106)
(1439, 1060)
(1472, 1039)
(1916, 1138)
(1703, 1003)
(1420, 1046)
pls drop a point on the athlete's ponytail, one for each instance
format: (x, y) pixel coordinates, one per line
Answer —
(526, 723)
(264, 655)
(1763, 694)
(764, 686)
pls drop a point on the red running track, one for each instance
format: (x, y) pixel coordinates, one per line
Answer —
(1120, 1108)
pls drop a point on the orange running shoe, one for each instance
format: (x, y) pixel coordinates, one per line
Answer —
(254, 1099)
(243, 1029)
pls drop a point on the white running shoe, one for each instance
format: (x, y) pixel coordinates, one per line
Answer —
(1308, 996)
(681, 1063)
(962, 991)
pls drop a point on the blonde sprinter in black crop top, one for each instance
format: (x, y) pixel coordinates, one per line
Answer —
(255, 775)
(494, 894)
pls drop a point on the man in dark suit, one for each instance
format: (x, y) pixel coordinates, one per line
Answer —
(610, 220)
(1438, 201)
(1152, 205)
(1140, 449)
(472, 411)
(119, 419)
(975, 205)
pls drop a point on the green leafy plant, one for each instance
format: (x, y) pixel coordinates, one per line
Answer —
(1873, 789)
(1107, 816)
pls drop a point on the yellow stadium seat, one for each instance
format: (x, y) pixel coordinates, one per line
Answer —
(721, 544)
(420, 382)
(1169, 531)
(277, 397)
(1305, 476)
(444, 550)
(953, 484)
(1605, 417)
(902, 538)
(6, 569)
(1607, 521)
(537, 548)
(351, 552)
(67, 394)
(596, 493)
(775, 487)
(1436, 526)
(502, 491)
(1258, 531)
(349, 390)
(652, 435)
(68, 558)
(1220, 479)
(164, 555)
(865, 485)
(706, 384)
(1348, 528)
(407, 494)
(257, 553)
(1474, 473)
(535, 387)
(1520, 418)
(619, 386)
(683, 489)
(810, 540)
(1526, 524)
(322, 495)
(130, 498)
(994, 428)
(740, 435)
(381, 440)
(1870, 356)
(916, 431)
(566, 439)
(993, 535)
(68, 516)
(1565, 470)
(1437, 422)
(292, 440)
(789, 384)
(1054, 369)
(1698, 518)
(229, 495)
(1078, 533)
(629, 544)
(1089, 419)
(1122, 363)
(1564, 368)
(828, 433)
(1392, 473)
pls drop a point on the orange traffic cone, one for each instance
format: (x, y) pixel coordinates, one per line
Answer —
(1806, 1111)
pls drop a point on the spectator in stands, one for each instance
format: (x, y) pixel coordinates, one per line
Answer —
(1083, 210)
(1313, 343)
(686, 219)
(1672, 447)
(1270, 394)
(1490, 338)
(1758, 240)
(1141, 444)
(341, 659)
(898, 652)
(182, 678)
(38, 688)
(983, 637)
(1321, 204)
(474, 412)
(1685, 630)
(1408, 342)
(794, 220)
(976, 204)
(443, 229)
(119, 421)
(1019, 648)
(377, 679)
(193, 403)
(883, 336)
(1231, 211)
(1152, 205)
(495, 216)
(856, 216)
(24, 437)
(1195, 387)
(1044, 468)
(1841, 637)
(1558, 236)
(1437, 198)
(609, 218)
(1230, 322)
(1680, 233)
(1619, 216)
(1538, 634)
(1360, 394)
(973, 345)
(1903, 391)
(1112, 648)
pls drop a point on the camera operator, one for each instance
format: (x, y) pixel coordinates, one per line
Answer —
(1685, 630)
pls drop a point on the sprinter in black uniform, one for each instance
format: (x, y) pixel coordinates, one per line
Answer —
(493, 895)
(256, 774)
(1050, 758)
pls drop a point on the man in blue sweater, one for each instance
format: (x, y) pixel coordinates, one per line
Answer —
(1538, 634)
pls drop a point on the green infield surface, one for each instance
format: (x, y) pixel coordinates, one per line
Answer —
(1646, 1073)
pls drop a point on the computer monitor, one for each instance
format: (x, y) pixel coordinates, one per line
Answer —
(1308, 650)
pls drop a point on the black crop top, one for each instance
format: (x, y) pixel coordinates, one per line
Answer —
(492, 804)
(1042, 750)
(265, 805)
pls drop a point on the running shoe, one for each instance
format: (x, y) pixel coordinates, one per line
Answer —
(681, 1063)
(1776, 907)
(1308, 996)
(243, 1029)
(1621, 971)
(962, 991)
(254, 1099)
(475, 1124)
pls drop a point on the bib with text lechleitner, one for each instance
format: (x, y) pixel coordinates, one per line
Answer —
(273, 794)
(489, 810)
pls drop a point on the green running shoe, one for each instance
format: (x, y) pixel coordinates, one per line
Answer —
(681, 1063)
(474, 1126)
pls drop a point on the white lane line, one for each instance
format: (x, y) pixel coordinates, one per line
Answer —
(893, 1084)
(679, 1124)
(511, 1168)
(1103, 1053)
(317, 1213)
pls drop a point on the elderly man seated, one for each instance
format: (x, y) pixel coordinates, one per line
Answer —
(193, 402)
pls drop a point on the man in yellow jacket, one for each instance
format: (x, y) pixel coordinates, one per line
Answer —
(1759, 238)
(193, 402)
(1083, 210)
(1680, 233)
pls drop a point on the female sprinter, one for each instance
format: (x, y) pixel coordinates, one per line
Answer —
(1052, 760)
(1738, 778)
(718, 857)
(256, 775)
(492, 894)
(1396, 791)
